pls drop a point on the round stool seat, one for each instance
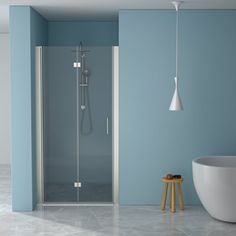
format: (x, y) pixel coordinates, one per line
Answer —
(165, 180)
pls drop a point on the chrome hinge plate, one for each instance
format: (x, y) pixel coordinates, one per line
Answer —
(77, 185)
(76, 65)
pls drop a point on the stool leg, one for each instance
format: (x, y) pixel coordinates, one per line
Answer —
(163, 203)
(170, 195)
(173, 197)
(181, 202)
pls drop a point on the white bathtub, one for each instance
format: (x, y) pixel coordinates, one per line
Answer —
(214, 179)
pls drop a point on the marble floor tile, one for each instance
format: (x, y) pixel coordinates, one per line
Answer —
(105, 220)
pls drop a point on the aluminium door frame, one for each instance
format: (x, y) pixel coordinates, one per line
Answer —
(40, 130)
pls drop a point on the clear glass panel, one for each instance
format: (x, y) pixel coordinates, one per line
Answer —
(95, 125)
(77, 124)
(60, 157)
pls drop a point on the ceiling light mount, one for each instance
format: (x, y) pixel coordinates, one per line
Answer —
(177, 4)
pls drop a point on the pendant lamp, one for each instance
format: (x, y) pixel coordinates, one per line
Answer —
(176, 104)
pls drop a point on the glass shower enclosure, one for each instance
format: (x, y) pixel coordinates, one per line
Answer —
(76, 159)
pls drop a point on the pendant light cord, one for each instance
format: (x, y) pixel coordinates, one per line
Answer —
(176, 42)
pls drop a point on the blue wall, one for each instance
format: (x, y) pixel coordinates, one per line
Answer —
(153, 140)
(91, 33)
(27, 29)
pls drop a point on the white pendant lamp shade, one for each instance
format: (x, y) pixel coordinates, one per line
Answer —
(176, 104)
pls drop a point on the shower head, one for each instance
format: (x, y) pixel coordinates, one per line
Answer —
(81, 48)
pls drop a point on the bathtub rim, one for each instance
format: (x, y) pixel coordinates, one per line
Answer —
(210, 165)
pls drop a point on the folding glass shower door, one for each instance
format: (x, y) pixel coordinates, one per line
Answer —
(95, 125)
(77, 124)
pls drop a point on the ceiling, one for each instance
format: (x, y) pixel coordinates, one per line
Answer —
(101, 9)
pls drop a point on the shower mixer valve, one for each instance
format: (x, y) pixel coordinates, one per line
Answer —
(85, 74)
(82, 107)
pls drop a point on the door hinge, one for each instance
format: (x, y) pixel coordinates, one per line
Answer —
(76, 64)
(77, 185)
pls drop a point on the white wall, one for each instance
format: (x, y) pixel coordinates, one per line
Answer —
(4, 99)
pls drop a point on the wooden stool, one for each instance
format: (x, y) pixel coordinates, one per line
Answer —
(172, 183)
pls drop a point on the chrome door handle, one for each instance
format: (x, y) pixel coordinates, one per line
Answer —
(107, 126)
